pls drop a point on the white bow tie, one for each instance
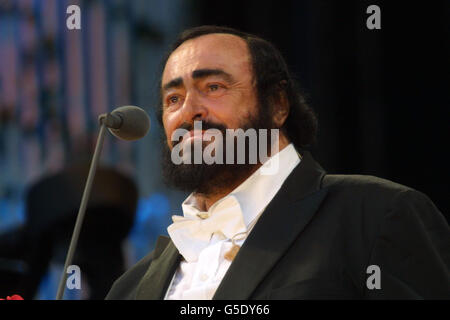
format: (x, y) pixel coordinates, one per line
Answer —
(191, 234)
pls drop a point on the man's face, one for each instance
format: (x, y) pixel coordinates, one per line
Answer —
(208, 78)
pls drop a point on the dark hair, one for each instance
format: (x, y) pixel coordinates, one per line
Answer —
(271, 76)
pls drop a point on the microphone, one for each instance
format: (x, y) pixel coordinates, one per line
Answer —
(128, 123)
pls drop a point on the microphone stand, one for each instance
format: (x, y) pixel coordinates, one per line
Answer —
(84, 200)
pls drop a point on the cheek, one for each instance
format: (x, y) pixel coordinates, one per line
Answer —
(169, 126)
(238, 117)
(225, 116)
(232, 111)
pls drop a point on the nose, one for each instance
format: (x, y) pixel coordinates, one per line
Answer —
(193, 108)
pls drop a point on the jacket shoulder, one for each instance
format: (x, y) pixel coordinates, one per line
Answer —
(363, 184)
(364, 200)
(369, 190)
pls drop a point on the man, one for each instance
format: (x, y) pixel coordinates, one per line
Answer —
(296, 234)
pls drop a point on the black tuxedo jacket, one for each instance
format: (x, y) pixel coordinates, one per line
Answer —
(316, 240)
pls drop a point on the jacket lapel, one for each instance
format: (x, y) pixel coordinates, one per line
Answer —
(157, 278)
(282, 222)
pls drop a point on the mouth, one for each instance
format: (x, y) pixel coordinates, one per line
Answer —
(193, 134)
(206, 132)
(190, 135)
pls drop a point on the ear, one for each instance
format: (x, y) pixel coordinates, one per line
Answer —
(281, 106)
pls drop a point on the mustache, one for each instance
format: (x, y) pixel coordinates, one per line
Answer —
(206, 125)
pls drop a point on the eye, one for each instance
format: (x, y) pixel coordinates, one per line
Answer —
(213, 87)
(172, 99)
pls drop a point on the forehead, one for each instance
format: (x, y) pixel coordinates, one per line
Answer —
(213, 51)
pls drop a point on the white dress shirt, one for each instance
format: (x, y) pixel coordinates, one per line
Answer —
(199, 276)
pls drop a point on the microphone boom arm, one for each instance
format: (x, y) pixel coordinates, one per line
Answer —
(127, 123)
(82, 210)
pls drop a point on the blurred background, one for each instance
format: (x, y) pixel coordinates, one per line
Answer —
(382, 99)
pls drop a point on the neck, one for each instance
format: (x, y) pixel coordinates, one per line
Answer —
(205, 200)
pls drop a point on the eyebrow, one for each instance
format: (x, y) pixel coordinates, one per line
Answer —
(198, 74)
(203, 73)
(175, 83)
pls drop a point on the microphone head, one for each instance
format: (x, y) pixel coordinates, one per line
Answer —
(135, 123)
